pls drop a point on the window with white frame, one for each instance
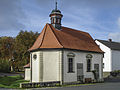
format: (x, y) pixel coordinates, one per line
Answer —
(71, 62)
(89, 64)
(70, 65)
(103, 65)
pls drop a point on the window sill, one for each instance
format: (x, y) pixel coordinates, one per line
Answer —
(89, 71)
(71, 72)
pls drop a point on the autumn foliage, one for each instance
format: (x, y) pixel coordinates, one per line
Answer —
(15, 50)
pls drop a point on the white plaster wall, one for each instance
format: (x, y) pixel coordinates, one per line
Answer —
(98, 59)
(51, 65)
(115, 60)
(35, 67)
(80, 57)
(107, 57)
(27, 73)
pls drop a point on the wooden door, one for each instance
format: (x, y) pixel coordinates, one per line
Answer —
(79, 71)
(96, 68)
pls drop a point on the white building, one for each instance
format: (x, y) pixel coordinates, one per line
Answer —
(27, 71)
(111, 58)
(64, 54)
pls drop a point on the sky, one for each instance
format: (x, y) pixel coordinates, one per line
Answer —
(100, 18)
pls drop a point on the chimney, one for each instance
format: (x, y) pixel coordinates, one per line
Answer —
(110, 40)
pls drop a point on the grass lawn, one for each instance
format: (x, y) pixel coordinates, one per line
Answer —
(14, 82)
(11, 81)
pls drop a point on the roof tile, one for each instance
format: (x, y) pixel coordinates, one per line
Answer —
(111, 44)
(65, 38)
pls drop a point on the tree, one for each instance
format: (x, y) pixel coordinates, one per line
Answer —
(6, 47)
(23, 41)
(6, 50)
(15, 50)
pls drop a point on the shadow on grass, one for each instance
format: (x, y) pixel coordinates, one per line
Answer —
(11, 81)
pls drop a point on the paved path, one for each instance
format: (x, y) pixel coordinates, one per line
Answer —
(99, 86)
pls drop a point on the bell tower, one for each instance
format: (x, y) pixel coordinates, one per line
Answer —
(56, 18)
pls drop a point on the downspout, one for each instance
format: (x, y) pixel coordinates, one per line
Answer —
(102, 67)
(110, 55)
(31, 68)
(62, 65)
(111, 60)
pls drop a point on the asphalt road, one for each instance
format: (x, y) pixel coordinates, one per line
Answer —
(98, 86)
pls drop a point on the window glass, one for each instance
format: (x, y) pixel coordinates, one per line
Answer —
(88, 65)
(70, 65)
(103, 65)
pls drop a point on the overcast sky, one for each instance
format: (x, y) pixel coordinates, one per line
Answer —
(100, 18)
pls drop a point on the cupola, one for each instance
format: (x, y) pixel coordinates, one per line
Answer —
(56, 17)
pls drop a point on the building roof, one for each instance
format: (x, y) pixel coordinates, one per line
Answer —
(112, 45)
(65, 38)
(27, 66)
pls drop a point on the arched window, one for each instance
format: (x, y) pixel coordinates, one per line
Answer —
(70, 65)
(58, 21)
(71, 62)
(89, 65)
(52, 21)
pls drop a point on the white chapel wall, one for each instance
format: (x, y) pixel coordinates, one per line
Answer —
(80, 57)
(35, 67)
(51, 65)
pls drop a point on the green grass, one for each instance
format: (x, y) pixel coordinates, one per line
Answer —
(14, 82)
(11, 81)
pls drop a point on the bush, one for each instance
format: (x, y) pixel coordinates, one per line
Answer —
(115, 73)
(4, 66)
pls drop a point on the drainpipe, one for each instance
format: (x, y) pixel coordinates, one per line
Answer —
(62, 65)
(31, 68)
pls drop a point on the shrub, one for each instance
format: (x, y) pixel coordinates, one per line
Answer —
(115, 73)
(4, 66)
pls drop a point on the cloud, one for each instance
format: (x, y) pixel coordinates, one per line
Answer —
(97, 17)
(115, 36)
(92, 3)
(36, 22)
(10, 15)
(85, 19)
(118, 22)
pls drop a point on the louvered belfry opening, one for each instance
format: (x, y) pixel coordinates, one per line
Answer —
(56, 18)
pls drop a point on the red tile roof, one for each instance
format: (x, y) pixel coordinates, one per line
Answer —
(65, 38)
(27, 66)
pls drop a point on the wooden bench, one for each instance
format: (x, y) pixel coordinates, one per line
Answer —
(88, 80)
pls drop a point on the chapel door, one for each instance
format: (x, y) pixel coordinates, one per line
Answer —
(96, 68)
(80, 72)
